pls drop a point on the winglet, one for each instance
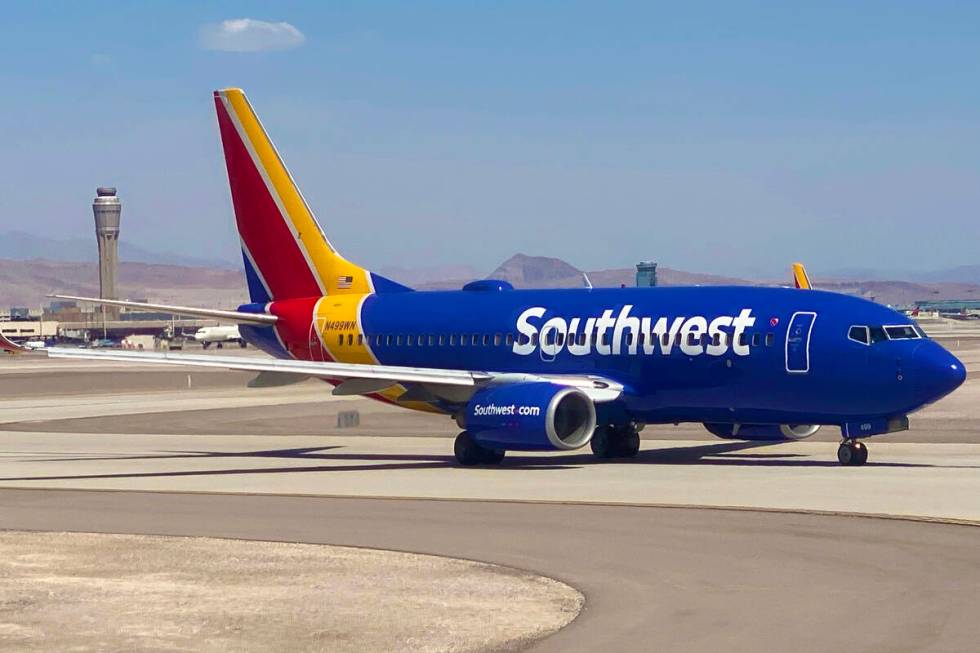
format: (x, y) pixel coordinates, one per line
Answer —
(11, 346)
(800, 277)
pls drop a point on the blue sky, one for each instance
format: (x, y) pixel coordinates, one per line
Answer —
(722, 137)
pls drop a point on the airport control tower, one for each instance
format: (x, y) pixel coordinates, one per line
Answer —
(646, 274)
(107, 209)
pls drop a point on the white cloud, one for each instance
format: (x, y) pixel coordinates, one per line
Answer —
(250, 35)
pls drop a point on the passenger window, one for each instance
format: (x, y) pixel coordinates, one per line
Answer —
(582, 338)
(442, 340)
(350, 339)
(360, 339)
(464, 340)
(859, 334)
(559, 339)
(665, 339)
(509, 340)
(476, 339)
(756, 339)
(340, 339)
(770, 339)
(398, 340)
(534, 339)
(496, 340)
(452, 339)
(409, 340)
(691, 339)
(486, 339)
(422, 341)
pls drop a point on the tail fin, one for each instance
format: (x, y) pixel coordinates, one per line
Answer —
(800, 278)
(286, 254)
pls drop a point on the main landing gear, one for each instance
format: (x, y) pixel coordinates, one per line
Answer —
(469, 453)
(852, 453)
(616, 441)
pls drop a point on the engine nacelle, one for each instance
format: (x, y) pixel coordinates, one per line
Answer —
(536, 416)
(762, 432)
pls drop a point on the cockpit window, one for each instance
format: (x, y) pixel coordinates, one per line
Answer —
(902, 332)
(871, 334)
(859, 334)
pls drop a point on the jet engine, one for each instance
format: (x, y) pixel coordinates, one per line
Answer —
(762, 432)
(533, 416)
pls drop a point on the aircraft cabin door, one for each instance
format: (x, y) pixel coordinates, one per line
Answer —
(798, 342)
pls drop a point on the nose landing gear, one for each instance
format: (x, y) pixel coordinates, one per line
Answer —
(852, 453)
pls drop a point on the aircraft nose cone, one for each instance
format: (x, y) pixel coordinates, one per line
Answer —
(937, 372)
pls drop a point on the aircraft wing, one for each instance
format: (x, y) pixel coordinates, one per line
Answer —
(350, 378)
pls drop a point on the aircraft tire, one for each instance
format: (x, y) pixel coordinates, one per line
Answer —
(468, 452)
(862, 453)
(628, 443)
(602, 443)
(852, 453)
(492, 456)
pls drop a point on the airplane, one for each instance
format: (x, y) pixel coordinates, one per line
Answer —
(219, 334)
(559, 369)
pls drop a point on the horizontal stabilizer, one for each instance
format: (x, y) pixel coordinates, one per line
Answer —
(214, 314)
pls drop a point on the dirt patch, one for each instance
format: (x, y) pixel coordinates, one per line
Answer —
(87, 592)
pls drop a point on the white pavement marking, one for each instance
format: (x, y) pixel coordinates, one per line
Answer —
(923, 480)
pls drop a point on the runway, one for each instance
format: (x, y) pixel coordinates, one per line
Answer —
(154, 456)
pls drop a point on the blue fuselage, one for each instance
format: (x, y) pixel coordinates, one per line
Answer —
(705, 354)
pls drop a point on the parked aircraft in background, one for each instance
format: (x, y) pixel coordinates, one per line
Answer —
(219, 335)
(555, 369)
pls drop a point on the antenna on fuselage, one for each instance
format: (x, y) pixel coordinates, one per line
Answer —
(585, 279)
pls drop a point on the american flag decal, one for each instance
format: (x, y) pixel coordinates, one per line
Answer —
(344, 282)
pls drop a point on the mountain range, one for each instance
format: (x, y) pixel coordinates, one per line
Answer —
(28, 282)
(22, 246)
